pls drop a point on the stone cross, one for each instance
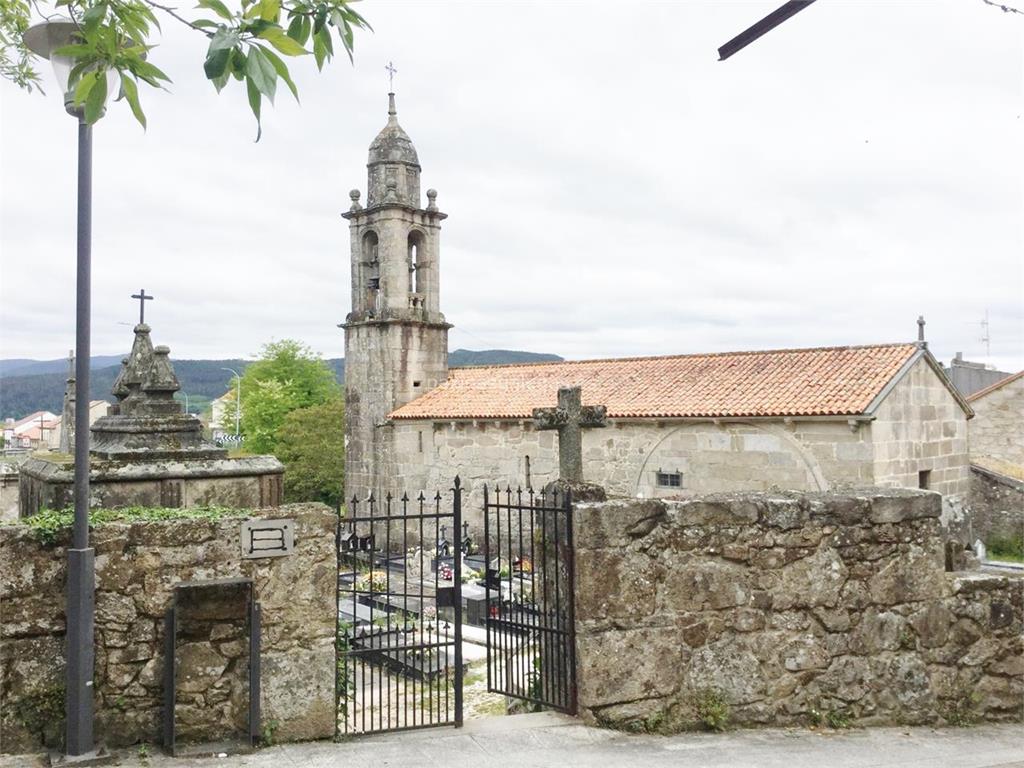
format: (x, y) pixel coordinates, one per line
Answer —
(143, 298)
(570, 418)
(390, 69)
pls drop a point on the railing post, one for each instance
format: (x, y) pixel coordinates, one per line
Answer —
(457, 579)
(570, 556)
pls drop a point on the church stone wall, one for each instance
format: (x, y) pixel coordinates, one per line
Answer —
(790, 609)
(920, 427)
(997, 429)
(625, 457)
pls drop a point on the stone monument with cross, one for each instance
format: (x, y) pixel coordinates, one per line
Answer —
(570, 418)
(67, 418)
(146, 451)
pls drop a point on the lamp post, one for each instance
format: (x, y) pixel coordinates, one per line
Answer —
(44, 40)
(238, 401)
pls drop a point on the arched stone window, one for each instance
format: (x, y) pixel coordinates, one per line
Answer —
(370, 263)
(417, 263)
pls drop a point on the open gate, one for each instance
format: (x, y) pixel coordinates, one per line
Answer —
(531, 634)
(400, 614)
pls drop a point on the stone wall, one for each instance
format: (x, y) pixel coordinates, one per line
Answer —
(997, 505)
(788, 607)
(997, 429)
(920, 427)
(138, 565)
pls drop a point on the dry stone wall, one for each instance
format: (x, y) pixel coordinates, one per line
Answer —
(788, 607)
(138, 565)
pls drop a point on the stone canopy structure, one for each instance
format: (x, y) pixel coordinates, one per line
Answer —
(148, 452)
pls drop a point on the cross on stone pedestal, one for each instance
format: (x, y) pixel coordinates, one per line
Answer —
(570, 418)
(143, 298)
(390, 69)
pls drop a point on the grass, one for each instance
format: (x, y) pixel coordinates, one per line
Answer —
(50, 525)
(1007, 548)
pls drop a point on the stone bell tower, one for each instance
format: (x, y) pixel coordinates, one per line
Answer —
(396, 339)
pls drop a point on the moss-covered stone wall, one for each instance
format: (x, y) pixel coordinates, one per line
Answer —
(138, 564)
(788, 609)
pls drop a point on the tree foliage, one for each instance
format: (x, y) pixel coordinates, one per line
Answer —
(289, 376)
(249, 42)
(311, 444)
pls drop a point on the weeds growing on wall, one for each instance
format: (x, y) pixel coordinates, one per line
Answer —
(712, 709)
(50, 525)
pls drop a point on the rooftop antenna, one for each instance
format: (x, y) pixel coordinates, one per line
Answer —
(986, 337)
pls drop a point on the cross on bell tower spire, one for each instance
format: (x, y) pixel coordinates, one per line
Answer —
(390, 69)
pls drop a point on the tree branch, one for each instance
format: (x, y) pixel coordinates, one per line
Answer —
(172, 13)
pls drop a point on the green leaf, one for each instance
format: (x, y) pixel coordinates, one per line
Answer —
(269, 9)
(96, 99)
(75, 50)
(319, 51)
(225, 37)
(282, 42)
(131, 93)
(261, 72)
(255, 101)
(282, 71)
(217, 7)
(216, 63)
(298, 29)
(85, 85)
(205, 23)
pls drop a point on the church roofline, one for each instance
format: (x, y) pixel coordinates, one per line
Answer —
(837, 382)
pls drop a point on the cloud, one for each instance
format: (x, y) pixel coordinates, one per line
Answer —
(612, 188)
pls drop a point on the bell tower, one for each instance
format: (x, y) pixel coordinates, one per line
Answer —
(396, 339)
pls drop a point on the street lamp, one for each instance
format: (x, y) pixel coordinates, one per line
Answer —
(43, 40)
(238, 401)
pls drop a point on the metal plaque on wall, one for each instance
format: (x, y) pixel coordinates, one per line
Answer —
(267, 538)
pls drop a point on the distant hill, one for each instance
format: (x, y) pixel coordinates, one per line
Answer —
(42, 388)
(33, 367)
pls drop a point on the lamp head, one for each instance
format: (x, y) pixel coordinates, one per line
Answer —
(47, 37)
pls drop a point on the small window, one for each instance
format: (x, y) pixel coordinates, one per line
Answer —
(670, 479)
(924, 479)
(415, 383)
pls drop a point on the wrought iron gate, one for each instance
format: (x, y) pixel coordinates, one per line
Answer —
(531, 635)
(400, 614)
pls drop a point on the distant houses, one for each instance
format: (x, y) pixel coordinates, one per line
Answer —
(42, 430)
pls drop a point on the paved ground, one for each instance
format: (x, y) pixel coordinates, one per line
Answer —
(539, 741)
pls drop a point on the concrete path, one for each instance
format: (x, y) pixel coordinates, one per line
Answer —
(543, 740)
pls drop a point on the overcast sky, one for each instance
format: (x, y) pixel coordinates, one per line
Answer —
(612, 188)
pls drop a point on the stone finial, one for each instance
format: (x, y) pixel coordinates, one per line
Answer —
(354, 197)
(920, 330)
(431, 199)
(161, 378)
(120, 389)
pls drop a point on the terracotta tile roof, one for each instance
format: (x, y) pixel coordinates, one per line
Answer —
(993, 387)
(840, 381)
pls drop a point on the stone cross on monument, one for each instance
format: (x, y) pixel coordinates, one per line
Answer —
(570, 418)
(143, 298)
(67, 419)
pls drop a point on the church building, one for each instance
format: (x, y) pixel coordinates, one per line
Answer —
(799, 419)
